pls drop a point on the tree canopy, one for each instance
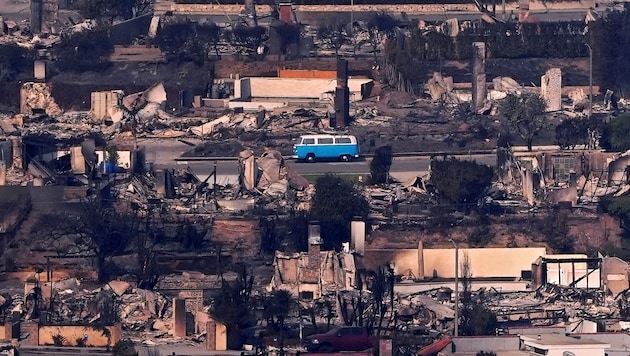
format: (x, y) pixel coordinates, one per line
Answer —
(335, 203)
(618, 207)
(381, 164)
(460, 183)
(107, 9)
(525, 115)
(13, 60)
(84, 51)
(188, 41)
(616, 134)
(570, 133)
(609, 37)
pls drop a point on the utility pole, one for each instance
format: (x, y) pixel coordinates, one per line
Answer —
(49, 276)
(456, 333)
(590, 80)
(351, 16)
(299, 306)
(352, 28)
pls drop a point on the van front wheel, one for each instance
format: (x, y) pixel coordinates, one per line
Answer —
(345, 158)
(310, 158)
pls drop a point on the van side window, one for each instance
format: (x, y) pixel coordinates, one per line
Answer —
(308, 141)
(343, 140)
(325, 141)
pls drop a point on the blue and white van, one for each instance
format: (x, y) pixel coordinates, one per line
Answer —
(310, 148)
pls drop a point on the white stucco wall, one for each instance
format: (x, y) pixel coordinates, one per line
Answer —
(292, 88)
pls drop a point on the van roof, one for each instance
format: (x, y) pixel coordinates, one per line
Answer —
(324, 135)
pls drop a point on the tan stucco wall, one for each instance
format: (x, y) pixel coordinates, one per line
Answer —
(71, 333)
(304, 73)
(221, 337)
(484, 262)
(5, 332)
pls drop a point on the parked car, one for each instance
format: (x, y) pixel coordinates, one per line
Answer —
(343, 338)
(260, 335)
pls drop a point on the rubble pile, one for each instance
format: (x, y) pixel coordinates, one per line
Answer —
(552, 304)
(137, 189)
(37, 96)
(137, 309)
(265, 181)
(142, 115)
(20, 34)
(145, 310)
(67, 126)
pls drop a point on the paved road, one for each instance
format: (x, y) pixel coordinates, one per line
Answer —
(403, 168)
(164, 154)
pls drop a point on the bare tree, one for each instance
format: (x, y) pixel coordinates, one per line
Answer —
(475, 318)
(103, 232)
(324, 308)
(382, 302)
(232, 305)
(379, 28)
(352, 305)
(333, 33)
(374, 309)
(95, 230)
(246, 40)
(278, 306)
(212, 33)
